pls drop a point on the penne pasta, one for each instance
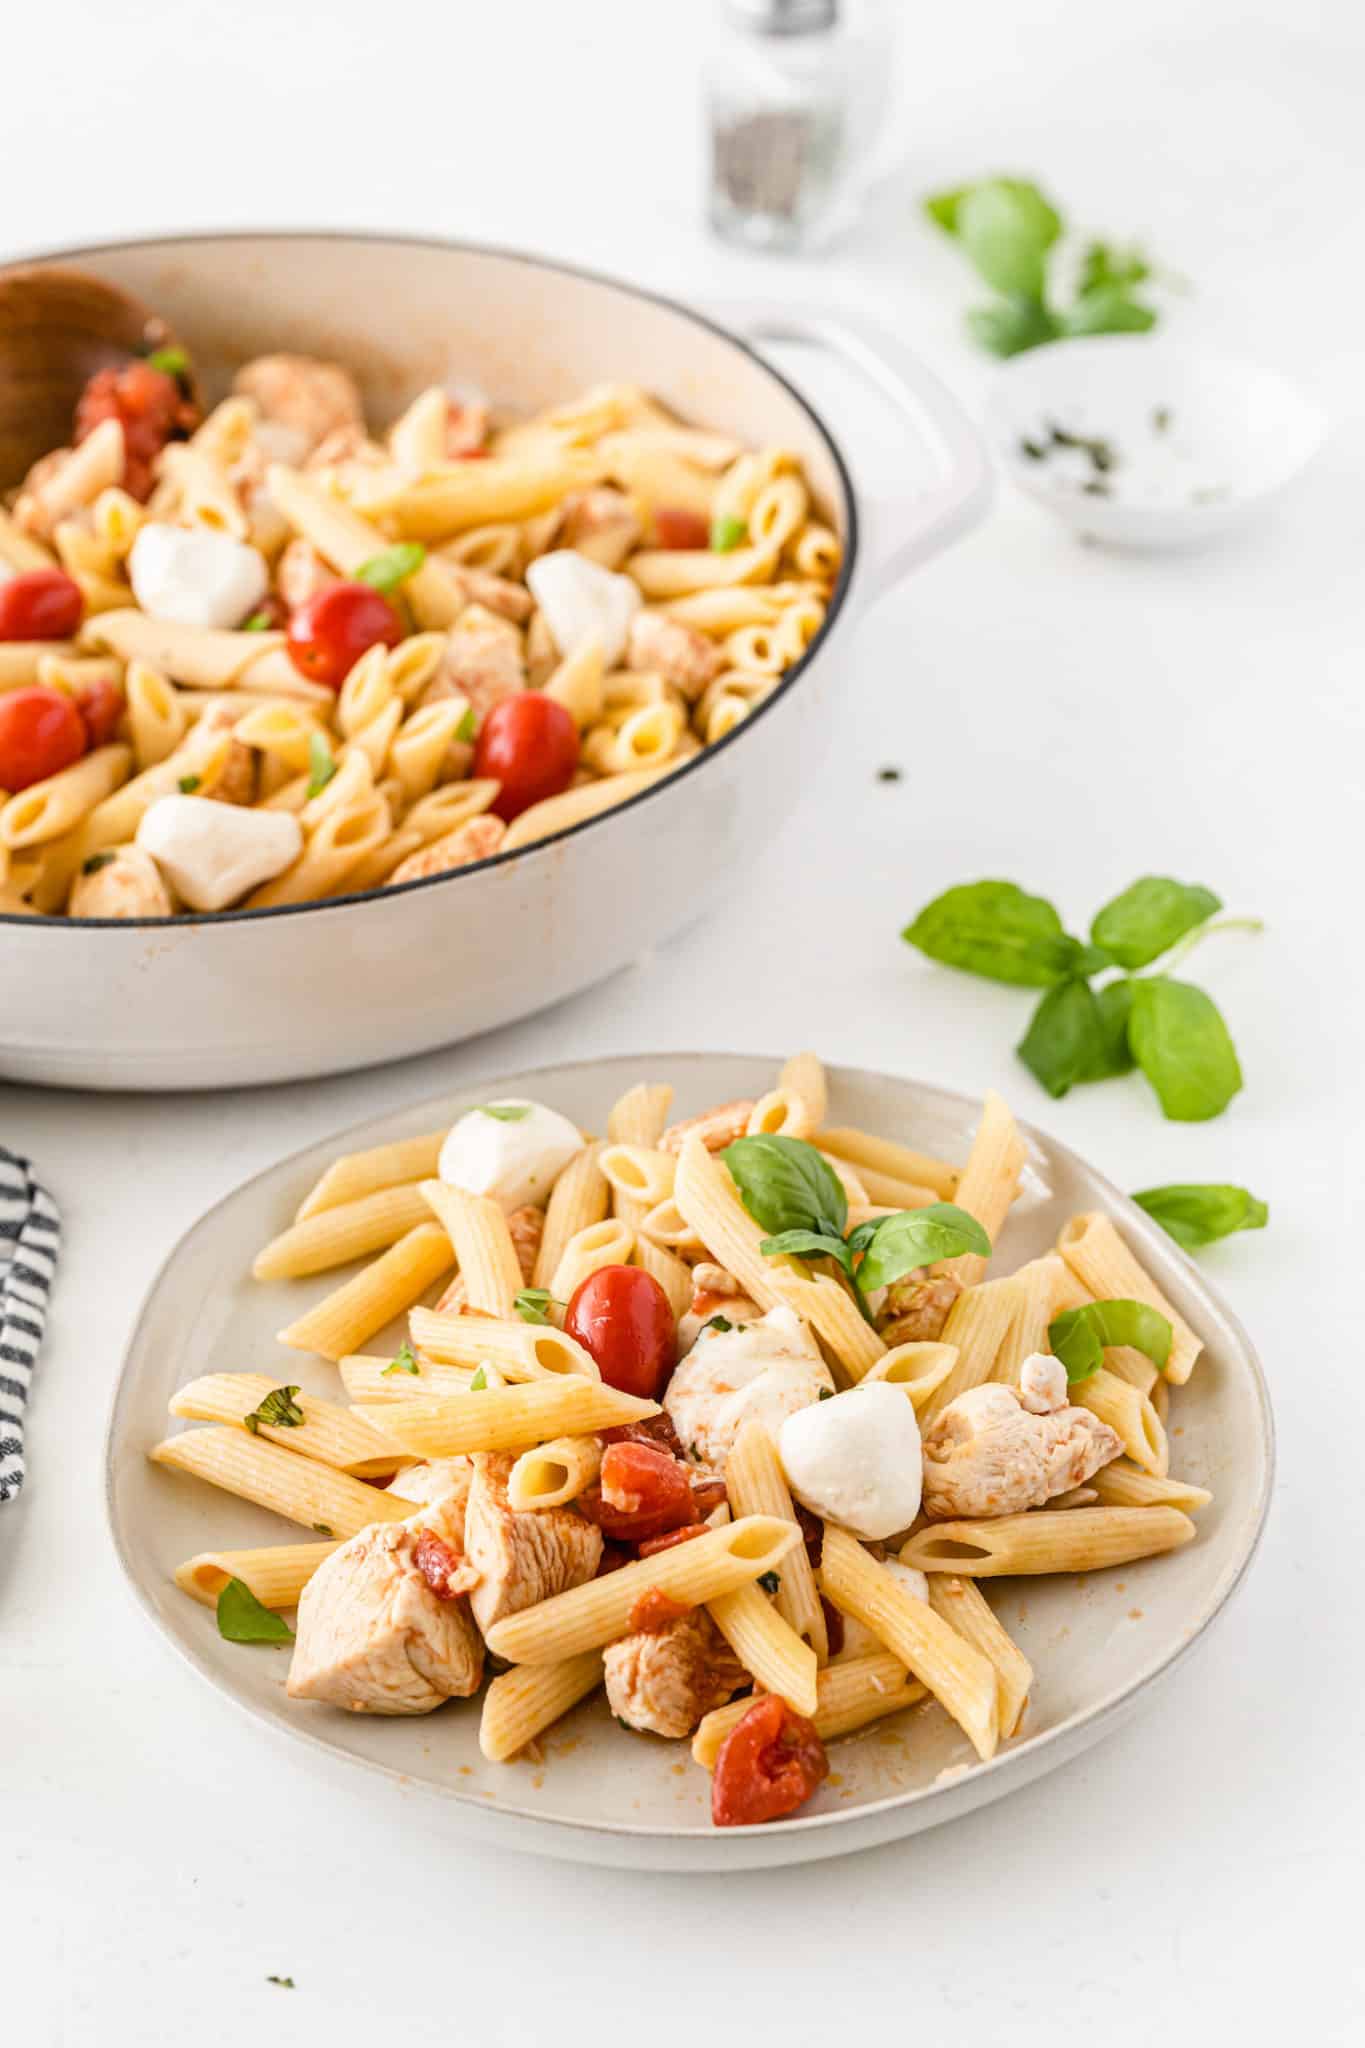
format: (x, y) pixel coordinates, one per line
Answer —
(330, 1503)
(848, 1696)
(756, 1485)
(521, 1351)
(1129, 1411)
(893, 1162)
(550, 1474)
(326, 1433)
(579, 1198)
(1047, 1540)
(398, 1278)
(520, 1704)
(988, 1183)
(276, 1575)
(332, 1237)
(1092, 1247)
(484, 1251)
(357, 1174)
(767, 1646)
(505, 1418)
(964, 1608)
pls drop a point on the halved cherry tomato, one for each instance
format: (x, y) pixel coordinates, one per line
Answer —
(529, 744)
(655, 1611)
(101, 706)
(640, 1492)
(148, 404)
(655, 1429)
(686, 1534)
(769, 1764)
(621, 1316)
(328, 634)
(41, 732)
(676, 527)
(40, 604)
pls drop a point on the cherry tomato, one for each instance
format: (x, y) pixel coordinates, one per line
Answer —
(101, 706)
(655, 1429)
(769, 1764)
(328, 634)
(688, 1531)
(641, 1492)
(621, 1316)
(40, 604)
(148, 404)
(41, 732)
(529, 744)
(676, 527)
(655, 1611)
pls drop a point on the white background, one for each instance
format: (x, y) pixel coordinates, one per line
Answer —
(1064, 717)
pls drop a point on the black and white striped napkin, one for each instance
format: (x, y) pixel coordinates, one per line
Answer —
(30, 1239)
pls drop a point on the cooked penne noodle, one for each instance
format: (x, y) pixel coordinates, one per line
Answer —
(521, 1351)
(694, 1574)
(348, 541)
(329, 1434)
(371, 1378)
(893, 1162)
(550, 1474)
(767, 1646)
(608, 1243)
(1092, 1247)
(1047, 1540)
(1129, 1411)
(331, 1503)
(665, 1226)
(672, 1274)
(589, 800)
(520, 1704)
(202, 657)
(399, 1277)
(470, 494)
(978, 1323)
(276, 1575)
(989, 1183)
(418, 750)
(1035, 1305)
(577, 684)
(157, 719)
(643, 1175)
(48, 808)
(921, 1369)
(506, 1418)
(964, 1607)
(332, 1237)
(848, 1696)
(484, 1251)
(756, 1485)
(958, 1675)
(357, 1174)
(579, 1198)
(1122, 1485)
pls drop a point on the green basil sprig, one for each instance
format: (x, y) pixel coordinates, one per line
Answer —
(321, 764)
(392, 566)
(533, 1304)
(505, 1112)
(1080, 1337)
(406, 1361)
(727, 534)
(279, 1410)
(1200, 1212)
(242, 1618)
(1082, 1032)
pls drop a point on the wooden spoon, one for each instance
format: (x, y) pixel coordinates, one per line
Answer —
(57, 327)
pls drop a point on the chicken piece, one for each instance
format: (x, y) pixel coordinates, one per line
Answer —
(759, 1371)
(380, 1629)
(494, 593)
(601, 524)
(677, 652)
(438, 1480)
(483, 661)
(125, 883)
(714, 1293)
(476, 839)
(301, 398)
(664, 1682)
(521, 1558)
(301, 573)
(716, 1127)
(235, 782)
(525, 1227)
(987, 1455)
(346, 450)
(916, 1307)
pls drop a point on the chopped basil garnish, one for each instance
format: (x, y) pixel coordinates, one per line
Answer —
(728, 534)
(321, 766)
(280, 1409)
(321, 1529)
(259, 622)
(721, 1323)
(286, 1982)
(406, 1361)
(479, 1383)
(1081, 1336)
(533, 1304)
(888, 774)
(95, 862)
(386, 570)
(468, 725)
(188, 784)
(505, 1112)
(242, 1618)
(173, 361)
(770, 1581)
(825, 1394)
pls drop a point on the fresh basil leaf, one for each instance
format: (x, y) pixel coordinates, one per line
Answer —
(280, 1409)
(259, 622)
(1011, 326)
(997, 930)
(1108, 309)
(825, 1394)
(468, 726)
(286, 1983)
(242, 1618)
(1064, 1042)
(786, 1185)
(721, 1324)
(1113, 1008)
(323, 1529)
(945, 208)
(1106, 263)
(1184, 1048)
(93, 862)
(1200, 1212)
(505, 1112)
(533, 1304)
(727, 534)
(770, 1581)
(919, 1237)
(406, 1361)
(187, 784)
(859, 1239)
(321, 766)
(392, 566)
(807, 1244)
(1080, 1337)
(173, 361)
(1144, 922)
(479, 1383)
(1007, 228)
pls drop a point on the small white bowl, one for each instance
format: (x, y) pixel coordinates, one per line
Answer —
(1149, 444)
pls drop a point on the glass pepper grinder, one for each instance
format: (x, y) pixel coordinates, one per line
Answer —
(776, 97)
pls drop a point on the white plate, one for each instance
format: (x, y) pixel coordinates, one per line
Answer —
(603, 1795)
(1203, 441)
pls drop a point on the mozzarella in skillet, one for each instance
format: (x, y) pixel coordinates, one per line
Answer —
(196, 576)
(212, 853)
(581, 601)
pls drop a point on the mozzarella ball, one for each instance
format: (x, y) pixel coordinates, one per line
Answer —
(515, 1158)
(855, 1460)
(579, 601)
(211, 853)
(1042, 1384)
(195, 575)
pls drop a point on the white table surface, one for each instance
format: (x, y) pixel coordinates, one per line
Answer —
(1065, 717)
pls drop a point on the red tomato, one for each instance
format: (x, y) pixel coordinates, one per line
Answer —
(328, 634)
(655, 1612)
(688, 1531)
(642, 1492)
(621, 1316)
(769, 1764)
(676, 527)
(148, 404)
(41, 604)
(41, 732)
(101, 706)
(529, 744)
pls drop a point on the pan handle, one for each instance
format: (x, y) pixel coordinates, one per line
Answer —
(900, 533)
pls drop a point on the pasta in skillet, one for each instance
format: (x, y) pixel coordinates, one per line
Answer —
(694, 1421)
(270, 656)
